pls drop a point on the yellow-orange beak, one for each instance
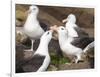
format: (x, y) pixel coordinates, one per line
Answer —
(64, 20)
(54, 28)
(51, 30)
(28, 12)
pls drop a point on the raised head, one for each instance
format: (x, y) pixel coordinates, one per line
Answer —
(71, 18)
(47, 36)
(33, 9)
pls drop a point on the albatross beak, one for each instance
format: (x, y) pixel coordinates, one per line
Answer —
(51, 31)
(54, 28)
(64, 20)
(28, 12)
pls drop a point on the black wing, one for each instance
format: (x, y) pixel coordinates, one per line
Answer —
(54, 45)
(33, 64)
(81, 42)
(80, 32)
(44, 26)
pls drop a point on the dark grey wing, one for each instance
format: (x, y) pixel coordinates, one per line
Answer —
(44, 26)
(81, 42)
(80, 32)
(33, 64)
(54, 46)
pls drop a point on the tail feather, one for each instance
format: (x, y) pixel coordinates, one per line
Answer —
(91, 45)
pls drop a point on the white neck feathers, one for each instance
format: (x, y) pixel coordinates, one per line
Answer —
(43, 47)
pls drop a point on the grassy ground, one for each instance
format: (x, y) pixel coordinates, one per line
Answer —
(56, 61)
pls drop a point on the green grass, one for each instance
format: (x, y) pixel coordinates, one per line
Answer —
(63, 61)
(55, 60)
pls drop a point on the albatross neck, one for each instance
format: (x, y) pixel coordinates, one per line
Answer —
(32, 17)
(70, 24)
(43, 47)
(71, 21)
(62, 38)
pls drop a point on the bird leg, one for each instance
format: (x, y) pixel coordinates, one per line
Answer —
(32, 42)
(78, 59)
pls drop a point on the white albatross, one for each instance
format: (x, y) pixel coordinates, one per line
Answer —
(68, 44)
(41, 59)
(72, 27)
(32, 27)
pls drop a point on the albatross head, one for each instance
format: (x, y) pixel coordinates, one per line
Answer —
(33, 9)
(62, 31)
(47, 36)
(62, 35)
(71, 18)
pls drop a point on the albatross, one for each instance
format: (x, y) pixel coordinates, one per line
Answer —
(32, 27)
(41, 59)
(72, 46)
(73, 29)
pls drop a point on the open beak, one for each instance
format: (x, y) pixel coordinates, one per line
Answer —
(64, 20)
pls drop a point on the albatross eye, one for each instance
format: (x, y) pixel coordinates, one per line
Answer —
(62, 28)
(47, 33)
(34, 8)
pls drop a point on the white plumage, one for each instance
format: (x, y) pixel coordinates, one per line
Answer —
(66, 45)
(73, 40)
(70, 23)
(43, 49)
(73, 29)
(32, 27)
